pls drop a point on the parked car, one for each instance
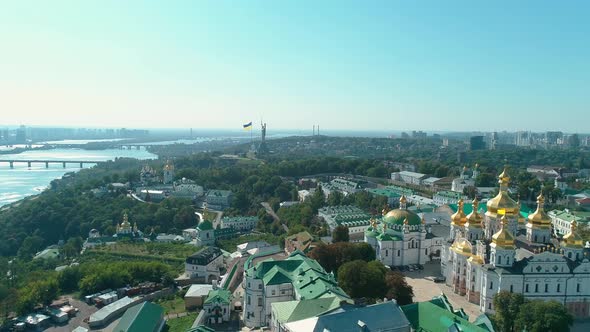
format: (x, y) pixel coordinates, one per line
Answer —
(439, 279)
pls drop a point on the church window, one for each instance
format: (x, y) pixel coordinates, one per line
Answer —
(578, 288)
(490, 306)
(260, 302)
(555, 268)
(536, 288)
(425, 251)
(539, 268)
(526, 288)
(511, 288)
(535, 239)
(273, 292)
(546, 288)
(398, 253)
(491, 285)
(558, 288)
(249, 299)
(259, 286)
(499, 259)
(386, 253)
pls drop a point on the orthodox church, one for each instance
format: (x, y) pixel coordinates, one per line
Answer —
(125, 230)
(466, 179)
(402, 238)
(503, 251)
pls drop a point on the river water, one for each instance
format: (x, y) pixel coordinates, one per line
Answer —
(22, 181)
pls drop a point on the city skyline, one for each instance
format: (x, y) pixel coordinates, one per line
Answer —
(346, 66)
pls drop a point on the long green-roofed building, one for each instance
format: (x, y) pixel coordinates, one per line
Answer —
(296, 278)
(144, 317)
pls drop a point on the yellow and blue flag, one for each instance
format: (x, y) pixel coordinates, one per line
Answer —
(248, 126)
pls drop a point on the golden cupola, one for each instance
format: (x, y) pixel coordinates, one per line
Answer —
(459, 218)
(573, 239)
(503, 204)
(539, 218)
(474, 218)
(503, 238)
(462, 247)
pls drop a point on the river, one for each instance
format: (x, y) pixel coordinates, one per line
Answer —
(22, 181)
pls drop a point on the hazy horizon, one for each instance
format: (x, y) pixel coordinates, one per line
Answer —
(381, 66)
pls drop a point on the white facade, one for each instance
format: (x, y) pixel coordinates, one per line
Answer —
(562, 221)
(466, 179)
(528, 264)
(204, 265)
(243, 224)
(446, 197)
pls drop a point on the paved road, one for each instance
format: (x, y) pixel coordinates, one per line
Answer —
(425, 290)
(85, 312)
(272, 213)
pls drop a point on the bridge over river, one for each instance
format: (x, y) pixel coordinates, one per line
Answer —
(29, 162)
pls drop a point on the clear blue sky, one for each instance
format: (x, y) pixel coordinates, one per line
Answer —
(383, 65)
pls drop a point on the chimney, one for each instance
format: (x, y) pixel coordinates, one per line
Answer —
(362, 326)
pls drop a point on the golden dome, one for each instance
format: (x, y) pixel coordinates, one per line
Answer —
(476, 259)
(474, 219)
(539, 217)
(400, 216)
(459, 218)
(125, 223)
(503, 238)
(573, 239)
(503, 178)
(462, 246)
(503, 204)
(169, 166)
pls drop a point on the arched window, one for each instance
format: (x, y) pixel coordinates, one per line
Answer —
(499, 259)
(569, 255)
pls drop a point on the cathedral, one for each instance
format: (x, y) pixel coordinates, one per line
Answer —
(402, 238)
(466, 179)
(503, 251)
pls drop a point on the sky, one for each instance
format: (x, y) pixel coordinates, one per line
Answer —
(358, 65)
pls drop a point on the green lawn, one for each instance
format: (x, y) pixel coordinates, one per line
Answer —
(180, 324)
(176, 305)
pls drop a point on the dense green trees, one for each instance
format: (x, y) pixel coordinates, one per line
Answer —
(340, 234)
(332, 256)
(374, 281)
(361, 279)
(514, 313)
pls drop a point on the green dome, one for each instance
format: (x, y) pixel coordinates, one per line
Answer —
(205, 226)
(397, 217)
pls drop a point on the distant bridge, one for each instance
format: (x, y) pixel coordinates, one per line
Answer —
(11, 162)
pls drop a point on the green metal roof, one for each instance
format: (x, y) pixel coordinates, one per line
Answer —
(566, 216)
(428, 316)
(201, 328)
(291, 311)
(143, 317)
(218, 295)
(308, 278)
(205, 226)
(385, 192)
